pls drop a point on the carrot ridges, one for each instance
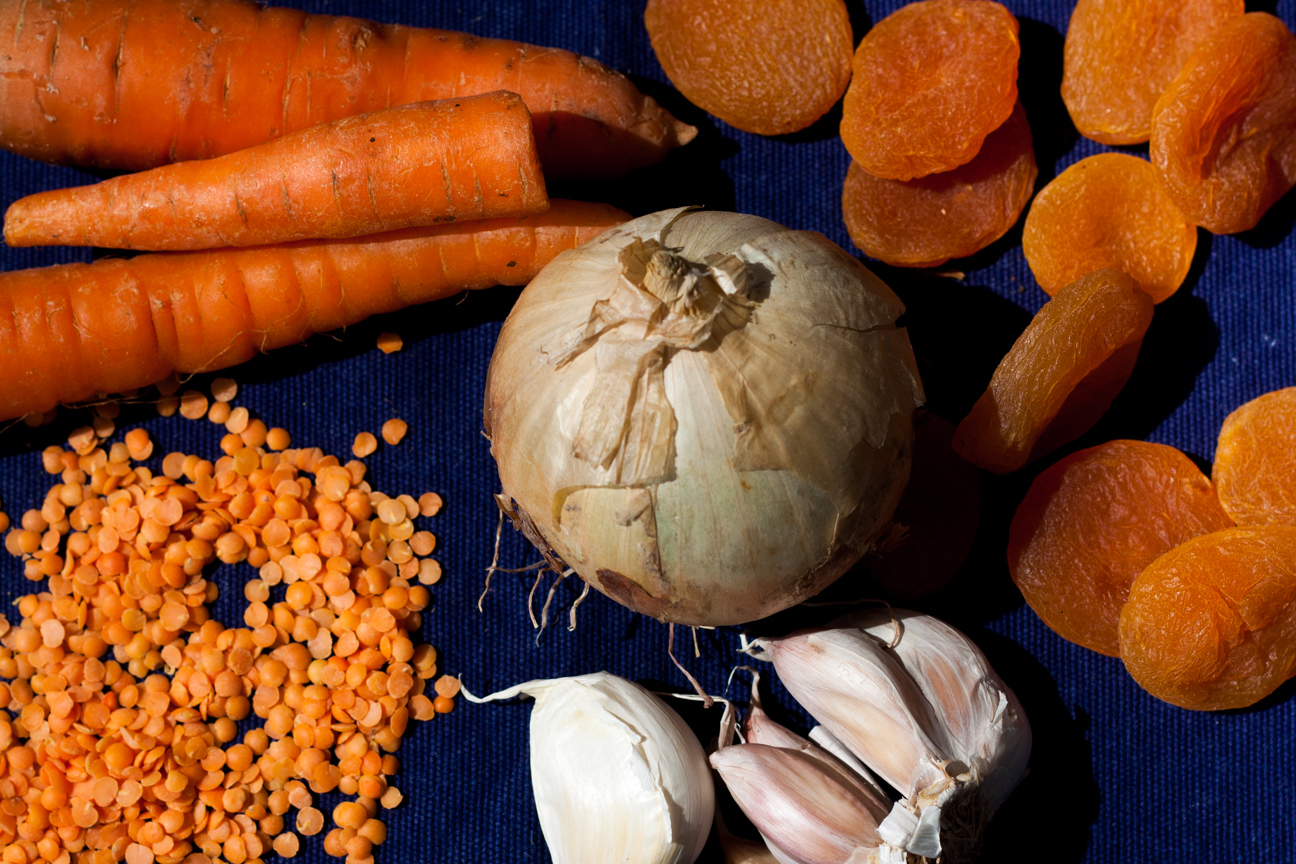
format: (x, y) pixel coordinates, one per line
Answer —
(74, 332)
(412, 165)
(164, 102)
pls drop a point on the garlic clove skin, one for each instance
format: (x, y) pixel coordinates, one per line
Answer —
(881, 855)
(918, 702)
(762, 730)
(740, 850)
(618, 776)
(805, 812)
(919, 833)
(821, 736)
(864, 697)
(988, 729)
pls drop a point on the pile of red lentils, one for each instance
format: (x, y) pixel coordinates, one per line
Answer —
(119, 740)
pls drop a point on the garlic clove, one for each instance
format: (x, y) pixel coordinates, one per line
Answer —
(618, 776)
(988, 729)
(762, 730)
(825, 739)
(862, 695)
(781, 855)
(740, 850)
(806, 813)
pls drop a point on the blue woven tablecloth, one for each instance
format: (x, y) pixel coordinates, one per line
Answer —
(1115, 776)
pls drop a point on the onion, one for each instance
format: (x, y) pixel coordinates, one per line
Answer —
(706, 415)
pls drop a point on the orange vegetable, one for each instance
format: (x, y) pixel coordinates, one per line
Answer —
(72, 331)
(419, 164)
(137, 83)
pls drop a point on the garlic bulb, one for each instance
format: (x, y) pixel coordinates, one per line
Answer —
(926, 713)
(987, 728)
(707, 416)
(617, 775)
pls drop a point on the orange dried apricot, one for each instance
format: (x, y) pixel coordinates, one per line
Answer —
(1255, 461)
(771, 68)
(936, 520)
(1211, 624)
(1121, 54)
(1109, 210)
(1093, 521)
(1224, 130)
(929, 220)
(1060, 375)
(931, 81)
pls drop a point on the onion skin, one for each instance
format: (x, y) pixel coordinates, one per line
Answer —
(713, 453)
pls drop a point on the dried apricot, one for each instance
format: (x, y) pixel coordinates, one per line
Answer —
(1255, 461)
(1060, 375)
(936, 520)
(1090, 524)
(1224, 131)
(1109, 210)
(1211, 624)
(771, 68)
(931, 81)
(929, 220)
(1121, 54)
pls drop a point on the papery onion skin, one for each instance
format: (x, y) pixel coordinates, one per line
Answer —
(739, 459)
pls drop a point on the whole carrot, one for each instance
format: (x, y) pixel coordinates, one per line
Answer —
(75, 331)
(131, 84)
(418, 164)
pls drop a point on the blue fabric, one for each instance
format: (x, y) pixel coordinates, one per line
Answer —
(1115, 776)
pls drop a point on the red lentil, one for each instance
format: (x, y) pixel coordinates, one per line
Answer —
(394, 430)
(192, 405)
(365, 444)
(331, 671)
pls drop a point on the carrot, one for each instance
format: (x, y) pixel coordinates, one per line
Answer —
(131, 84)
(469, 158)
(74, 331)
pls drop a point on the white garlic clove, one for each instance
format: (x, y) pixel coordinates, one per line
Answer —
(862, 695)
(617, 774)
(988, 729)
(805, 812)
